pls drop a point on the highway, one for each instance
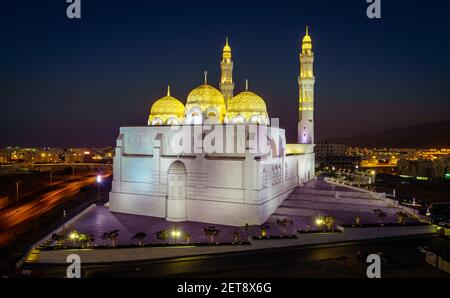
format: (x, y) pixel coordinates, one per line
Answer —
(14, 221)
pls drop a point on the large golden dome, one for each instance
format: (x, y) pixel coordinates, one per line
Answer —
(208, 99)
(247, 107)
(166, 110)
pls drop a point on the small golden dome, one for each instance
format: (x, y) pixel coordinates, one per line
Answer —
(307, 43)
(208, 99)
(248, 105)
(226, 51)
(166, 110)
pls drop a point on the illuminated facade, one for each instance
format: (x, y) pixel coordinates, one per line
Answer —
(167, 169)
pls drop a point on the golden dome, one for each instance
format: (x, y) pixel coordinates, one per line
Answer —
(226, 51)
(166, 110)
(248, 105)
(307, 43)
(208, 99)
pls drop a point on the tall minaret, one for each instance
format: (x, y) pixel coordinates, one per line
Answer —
(306, 93)
(226, 76)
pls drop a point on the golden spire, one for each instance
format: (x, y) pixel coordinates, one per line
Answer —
(307, 43)
(168, 90)
(246, 85)
(206, 77)
(226, 51)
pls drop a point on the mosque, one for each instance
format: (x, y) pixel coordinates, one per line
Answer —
(216, 159)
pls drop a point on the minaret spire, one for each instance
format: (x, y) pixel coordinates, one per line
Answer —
(306, 82)
(226, 73)
(206, 76)
(168, 90)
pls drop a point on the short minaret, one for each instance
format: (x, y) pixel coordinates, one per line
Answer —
(306, 93)
(226, 75)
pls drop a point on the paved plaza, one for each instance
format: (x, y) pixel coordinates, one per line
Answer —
(303, 206)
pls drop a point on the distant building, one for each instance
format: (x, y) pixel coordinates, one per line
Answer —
(330, 156)
(325, 149)
(425, 168)
(75, 155)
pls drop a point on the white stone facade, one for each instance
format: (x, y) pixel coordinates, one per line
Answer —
(233, 188)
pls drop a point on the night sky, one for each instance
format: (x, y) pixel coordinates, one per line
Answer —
(70, 82)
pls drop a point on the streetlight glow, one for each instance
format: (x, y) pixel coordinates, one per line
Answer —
(99, 178)
(319, 221)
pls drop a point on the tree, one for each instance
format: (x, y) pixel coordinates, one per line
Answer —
(285, 223)
(380, 214)
(86, 239)
(401, 217)
(263, 232)
(329, 221)
(188, 237)
(358, 221)
(211, 232)
(112, 235)
(59, 238)
(140, 236)
(162, 235)
(236, 235)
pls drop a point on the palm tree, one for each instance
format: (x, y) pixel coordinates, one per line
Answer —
(188, 237)
(358, 221)
(263, 232)
(162, 235)
(401, 217)
(285, 223)
(112, 235)
(211, 232)
(380, 214)
(59, 238)
(86, 239)
(329, 221)
(140, 236)
(236, 235)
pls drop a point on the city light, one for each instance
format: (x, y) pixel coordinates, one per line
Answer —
(99, 178)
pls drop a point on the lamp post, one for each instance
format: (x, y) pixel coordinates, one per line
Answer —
(99, 180)
(51, 180)
(176, 234)
(17, 196)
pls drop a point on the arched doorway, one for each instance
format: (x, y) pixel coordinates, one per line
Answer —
(176, 192)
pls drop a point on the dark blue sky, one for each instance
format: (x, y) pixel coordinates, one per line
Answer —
(75, 82)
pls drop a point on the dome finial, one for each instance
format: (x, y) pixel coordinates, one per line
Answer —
(168, 90)
(246, 84)
(226, 40)
(206, 76)
(307, 29)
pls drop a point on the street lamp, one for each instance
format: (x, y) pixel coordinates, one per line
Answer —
(99, 180)
(73, 236)
(176, 234)
(17, 196)
(319, 221)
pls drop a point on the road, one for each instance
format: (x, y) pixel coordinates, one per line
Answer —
(297, 262)
(14, 221)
